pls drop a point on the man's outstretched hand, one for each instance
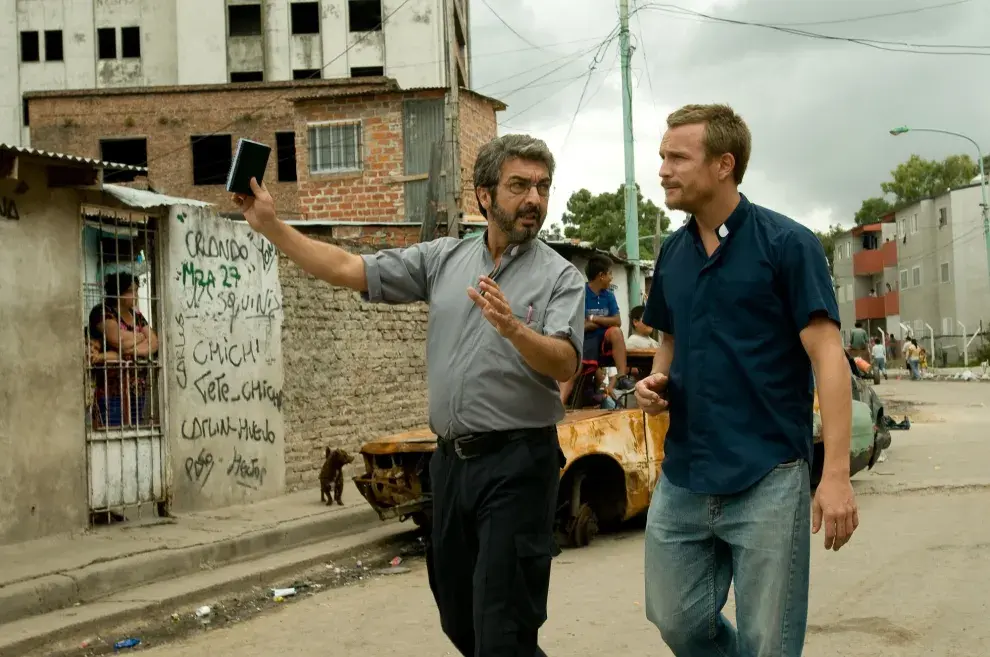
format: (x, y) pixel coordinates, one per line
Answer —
(649, 393)
(258, 210)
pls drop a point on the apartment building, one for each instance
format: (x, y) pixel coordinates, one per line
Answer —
(865, 272)
(51, 45)
(922, 271)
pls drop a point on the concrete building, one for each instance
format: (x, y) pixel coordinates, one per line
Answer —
(49, 45)
(345, 153)
(92, 433)
(926, 264)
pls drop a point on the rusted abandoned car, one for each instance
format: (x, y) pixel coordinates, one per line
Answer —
(613, 461)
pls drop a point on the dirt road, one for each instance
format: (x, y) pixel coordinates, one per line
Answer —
(915, 580)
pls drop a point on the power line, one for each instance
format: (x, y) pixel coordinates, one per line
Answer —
(646, 62)
(573, 57)
(888, 14)
(509, 27)
(277, 98)
(546, 98)
(877, 44)
(595, 61)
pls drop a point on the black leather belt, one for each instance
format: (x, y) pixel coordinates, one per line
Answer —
(474, 445)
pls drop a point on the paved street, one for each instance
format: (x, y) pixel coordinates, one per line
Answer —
(915, 580)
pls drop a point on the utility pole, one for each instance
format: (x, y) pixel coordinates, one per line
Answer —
(452, 122)
(632, 211)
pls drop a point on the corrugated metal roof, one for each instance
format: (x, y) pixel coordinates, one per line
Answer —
(141, 198)
(62, 157)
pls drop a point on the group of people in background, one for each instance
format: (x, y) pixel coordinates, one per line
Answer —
(874, 353)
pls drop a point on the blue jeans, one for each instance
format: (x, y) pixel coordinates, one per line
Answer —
(914, 366)
(759, 540)
(881, 365)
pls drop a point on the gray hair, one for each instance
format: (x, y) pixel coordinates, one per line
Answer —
(491, 157)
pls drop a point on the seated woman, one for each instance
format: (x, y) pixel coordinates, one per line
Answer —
(122, 329)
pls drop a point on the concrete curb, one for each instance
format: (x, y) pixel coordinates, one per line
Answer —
(65, 589)
(67, 627)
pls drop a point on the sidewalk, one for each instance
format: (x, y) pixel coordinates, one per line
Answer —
(45, 575)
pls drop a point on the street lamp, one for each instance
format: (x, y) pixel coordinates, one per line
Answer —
(983, 178)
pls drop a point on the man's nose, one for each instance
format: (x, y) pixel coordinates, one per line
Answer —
(532, 195)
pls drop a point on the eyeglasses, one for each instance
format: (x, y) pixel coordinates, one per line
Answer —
(519, 187)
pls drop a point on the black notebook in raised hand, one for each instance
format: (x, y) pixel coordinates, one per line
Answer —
(250, 161)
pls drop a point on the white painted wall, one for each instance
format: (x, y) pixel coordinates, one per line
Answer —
(185, 42)
(201, 38)
(969, 259)
(224, 376)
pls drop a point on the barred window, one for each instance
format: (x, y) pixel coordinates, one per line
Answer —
(335, 147)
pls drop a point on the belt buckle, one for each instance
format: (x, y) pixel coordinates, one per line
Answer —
(458, 451)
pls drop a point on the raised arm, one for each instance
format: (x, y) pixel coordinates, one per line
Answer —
(390, 276)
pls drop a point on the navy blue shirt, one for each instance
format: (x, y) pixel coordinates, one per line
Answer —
(602, 304)
(740, 387)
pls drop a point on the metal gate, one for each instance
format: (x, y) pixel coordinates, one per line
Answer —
(125, 445)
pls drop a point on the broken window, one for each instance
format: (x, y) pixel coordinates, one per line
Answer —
(123, 151)
(335, 148)
(212, 155)
(306, 74)
(367, 71)
(53, 46)
(30, 47)
(130, 42)
(364, 15)
(247, 76)
(244, 20)
(106, 43)
(285, 149)
(305, 17)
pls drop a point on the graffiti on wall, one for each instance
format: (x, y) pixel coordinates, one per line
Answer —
(225, 373)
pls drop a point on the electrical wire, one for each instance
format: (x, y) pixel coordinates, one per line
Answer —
(510, 28)
(877, 44)
(595, 61)
(869, 17)
(646, 61)
(279, 97)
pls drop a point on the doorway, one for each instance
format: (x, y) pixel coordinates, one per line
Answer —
(122, 306)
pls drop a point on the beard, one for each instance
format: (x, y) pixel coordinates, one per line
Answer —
(507, 223)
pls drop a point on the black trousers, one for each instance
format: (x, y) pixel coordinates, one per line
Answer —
(492, 543)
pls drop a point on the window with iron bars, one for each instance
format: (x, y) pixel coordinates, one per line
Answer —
(121, 296)
(335, 147)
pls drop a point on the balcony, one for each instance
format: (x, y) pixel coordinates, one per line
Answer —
(873, 261)
(878, 307)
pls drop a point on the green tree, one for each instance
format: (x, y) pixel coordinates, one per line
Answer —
(600, 219)
(827, 238)
(552, 233)
(871, 211)
(918, 178)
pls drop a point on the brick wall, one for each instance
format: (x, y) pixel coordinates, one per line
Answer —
(371, 194)
(376, 192)
(354, 371)
(75, 121)
(478, 127)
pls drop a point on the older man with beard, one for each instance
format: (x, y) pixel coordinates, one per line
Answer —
(506, 325)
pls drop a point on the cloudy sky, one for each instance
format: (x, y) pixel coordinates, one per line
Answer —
(819, 109)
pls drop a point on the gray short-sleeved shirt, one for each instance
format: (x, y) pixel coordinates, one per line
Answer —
(477, 380)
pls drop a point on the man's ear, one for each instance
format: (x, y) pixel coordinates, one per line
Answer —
(484, 198)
